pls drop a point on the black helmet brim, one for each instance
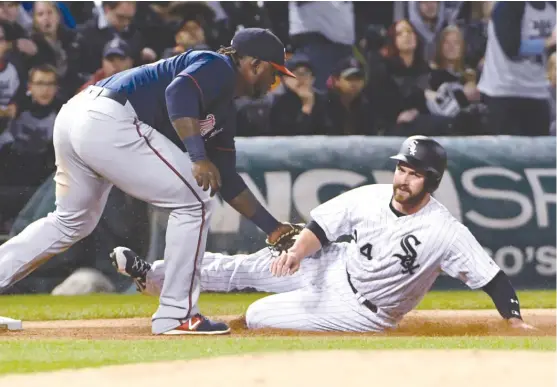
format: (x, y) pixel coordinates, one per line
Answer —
(413, 162)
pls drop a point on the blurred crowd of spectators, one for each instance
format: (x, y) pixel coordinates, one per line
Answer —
(366, 68)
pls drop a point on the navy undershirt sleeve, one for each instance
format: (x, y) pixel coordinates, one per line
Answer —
(197, 87)
(183, 99)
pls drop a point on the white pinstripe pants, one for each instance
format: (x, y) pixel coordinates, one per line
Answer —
(316, 298)
(229, 273)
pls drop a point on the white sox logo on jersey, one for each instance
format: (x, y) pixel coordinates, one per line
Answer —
(408, 259)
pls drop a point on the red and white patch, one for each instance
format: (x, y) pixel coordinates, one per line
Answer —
(207, 124)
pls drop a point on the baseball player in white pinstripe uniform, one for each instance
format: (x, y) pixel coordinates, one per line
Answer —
(402, 240)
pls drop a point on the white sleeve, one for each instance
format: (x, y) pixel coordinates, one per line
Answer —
(336, 215)
(467, 261)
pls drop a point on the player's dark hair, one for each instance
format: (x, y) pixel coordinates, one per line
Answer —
(226, 50)
(231, 52)
(43, 68)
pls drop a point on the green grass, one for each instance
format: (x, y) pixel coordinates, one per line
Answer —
(17, 356)
(34, 356)
(529, 299)
(45, 307)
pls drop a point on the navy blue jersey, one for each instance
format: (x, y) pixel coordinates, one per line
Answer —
(197, 84)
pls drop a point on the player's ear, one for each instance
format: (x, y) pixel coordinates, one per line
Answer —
(255, 64)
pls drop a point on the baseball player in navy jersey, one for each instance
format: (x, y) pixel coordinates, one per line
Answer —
(132, 130)
(403, 238)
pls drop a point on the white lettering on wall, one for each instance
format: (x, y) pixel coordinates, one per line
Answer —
(541, 198)
(305, 191)
(526, 208)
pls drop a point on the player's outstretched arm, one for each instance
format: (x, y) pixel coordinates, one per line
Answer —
(288, 262)
(235, 192)
(505, 299)
(467, 260)
(247, 205)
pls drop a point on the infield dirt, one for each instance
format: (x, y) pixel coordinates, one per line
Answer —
(416, 323)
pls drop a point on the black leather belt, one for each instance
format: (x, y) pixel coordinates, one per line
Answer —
(364, 301)
(97, 91)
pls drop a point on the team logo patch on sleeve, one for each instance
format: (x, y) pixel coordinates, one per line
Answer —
(207, 125)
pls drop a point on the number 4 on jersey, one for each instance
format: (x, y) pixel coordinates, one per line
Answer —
(366, 251)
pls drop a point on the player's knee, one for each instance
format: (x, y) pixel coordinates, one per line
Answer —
(75, 226)
(255, 315)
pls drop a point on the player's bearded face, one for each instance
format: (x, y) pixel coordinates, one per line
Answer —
(408, 185)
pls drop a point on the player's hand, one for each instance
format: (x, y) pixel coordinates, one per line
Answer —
(287, 263)
(517, 323)
(207, 175)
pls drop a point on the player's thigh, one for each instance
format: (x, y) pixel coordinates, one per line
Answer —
(328, 261)
(135, 157)
(79, 190)
(328, 304)
(309, 308)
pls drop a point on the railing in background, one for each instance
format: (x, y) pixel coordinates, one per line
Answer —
(501, 188)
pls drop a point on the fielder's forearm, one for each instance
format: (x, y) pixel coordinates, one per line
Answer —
(307, 244)
(247, 205)
(186, 127)
(189, 131)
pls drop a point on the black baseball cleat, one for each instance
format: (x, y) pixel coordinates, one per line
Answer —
(128, 263)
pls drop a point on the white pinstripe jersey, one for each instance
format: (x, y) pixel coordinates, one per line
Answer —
(395, 260)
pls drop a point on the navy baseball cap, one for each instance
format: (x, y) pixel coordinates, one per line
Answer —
(261, 44)
(116, 47)
(349, 66)
(299, 60)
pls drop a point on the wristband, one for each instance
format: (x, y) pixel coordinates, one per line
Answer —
(195, 145)
(315, 228)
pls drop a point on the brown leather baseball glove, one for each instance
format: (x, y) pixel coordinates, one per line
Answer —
(283, 237)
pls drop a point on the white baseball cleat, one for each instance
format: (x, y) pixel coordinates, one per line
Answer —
(129, 263)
